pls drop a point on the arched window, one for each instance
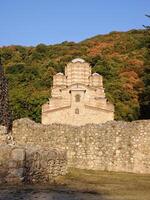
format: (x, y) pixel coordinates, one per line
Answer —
(77, 98)
(77, 111)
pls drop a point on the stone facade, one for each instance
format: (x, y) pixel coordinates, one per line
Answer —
(112, 146)
(78, 97)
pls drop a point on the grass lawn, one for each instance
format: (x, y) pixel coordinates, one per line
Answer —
(111, 185)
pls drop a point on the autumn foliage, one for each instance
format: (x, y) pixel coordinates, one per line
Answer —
(120, 57)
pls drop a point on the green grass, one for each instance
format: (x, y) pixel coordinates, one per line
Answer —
(112, 185)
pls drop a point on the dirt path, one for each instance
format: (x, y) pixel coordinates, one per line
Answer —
(45, 194)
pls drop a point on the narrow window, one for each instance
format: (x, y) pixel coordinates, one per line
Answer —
(77, 111)
(77, 98)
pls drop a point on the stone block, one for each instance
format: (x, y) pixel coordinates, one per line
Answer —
(12, 164)
(16, 172)
(18, 154)
(3, 130)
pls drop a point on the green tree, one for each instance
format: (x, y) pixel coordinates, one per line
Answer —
(145, 96)
(5, 114)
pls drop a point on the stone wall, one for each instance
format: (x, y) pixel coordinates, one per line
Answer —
(29, 163)
(112, 146)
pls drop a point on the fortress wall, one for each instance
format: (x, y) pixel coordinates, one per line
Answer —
(112, 146)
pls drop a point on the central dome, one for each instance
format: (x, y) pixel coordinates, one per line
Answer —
(77, 71)
(78, 60)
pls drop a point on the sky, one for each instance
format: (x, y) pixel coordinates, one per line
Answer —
(30, 22)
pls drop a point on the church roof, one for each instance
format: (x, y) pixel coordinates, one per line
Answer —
(60, 74)
(95, 74)
(78, 60)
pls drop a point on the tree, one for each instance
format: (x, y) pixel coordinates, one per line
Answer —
(145, 96)
(147, 27)
(5, 114)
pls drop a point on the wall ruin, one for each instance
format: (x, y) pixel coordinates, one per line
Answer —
(112, 146)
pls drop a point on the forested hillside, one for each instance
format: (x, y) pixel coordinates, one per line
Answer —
(122, 58)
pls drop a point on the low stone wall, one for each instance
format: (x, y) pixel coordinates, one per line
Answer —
(113, 146)
(29, 163)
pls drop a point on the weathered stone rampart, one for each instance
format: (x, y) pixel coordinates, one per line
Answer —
(112, 146)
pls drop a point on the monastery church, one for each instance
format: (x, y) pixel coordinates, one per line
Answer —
(77, 97)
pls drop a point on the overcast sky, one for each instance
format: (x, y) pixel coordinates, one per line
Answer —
(30, 22)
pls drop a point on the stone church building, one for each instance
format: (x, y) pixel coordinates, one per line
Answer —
(77, 97)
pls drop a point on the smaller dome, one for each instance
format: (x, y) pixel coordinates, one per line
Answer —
(78, 60)
(95, 74)
(59, 74)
